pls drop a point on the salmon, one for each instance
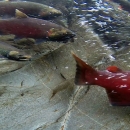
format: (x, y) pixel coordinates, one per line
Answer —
(27, 27)
(32, 9)
(113, 79)
(10, 52)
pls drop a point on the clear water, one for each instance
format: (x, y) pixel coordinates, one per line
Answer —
(40, 94)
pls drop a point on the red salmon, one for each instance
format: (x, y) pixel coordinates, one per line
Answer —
(113, 79)
(24, 26)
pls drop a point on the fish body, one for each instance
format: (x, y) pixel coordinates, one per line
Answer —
(113, 79)
(10, 52)
(27, 27)
(32, 9)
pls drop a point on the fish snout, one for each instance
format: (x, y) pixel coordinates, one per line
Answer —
(52, 12)
(71, 34)
(55, 12)
(68, 36)
(15, 55)
(61, 34)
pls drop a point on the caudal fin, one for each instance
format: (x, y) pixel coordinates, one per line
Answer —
(83, 71)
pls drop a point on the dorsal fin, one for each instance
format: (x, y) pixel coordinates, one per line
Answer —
(19, 14)
(114, 69)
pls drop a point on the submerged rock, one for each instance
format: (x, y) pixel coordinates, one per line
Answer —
(7, 66)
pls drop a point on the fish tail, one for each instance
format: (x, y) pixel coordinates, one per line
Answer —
(84, 72)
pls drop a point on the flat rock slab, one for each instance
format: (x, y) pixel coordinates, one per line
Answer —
(42, 96)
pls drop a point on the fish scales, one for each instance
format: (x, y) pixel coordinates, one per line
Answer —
(24, 26)
(32, 9)
(113, 79)
(29, 27)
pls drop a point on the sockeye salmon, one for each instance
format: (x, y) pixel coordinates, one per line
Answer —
(32, 9)
(113, 79)
(10, 52)
(27, 27)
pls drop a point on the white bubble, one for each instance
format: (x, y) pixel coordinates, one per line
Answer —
(109, 78)
(124, 79)
(66, 67)
(114, 91)
(50, 7)
(96, 78)
(123, 86)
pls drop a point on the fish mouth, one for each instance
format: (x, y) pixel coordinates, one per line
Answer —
(60, 34)
(24, 58)
(69, 37)
(54, 10)
(64, 39)
(56, 13)
(15, 55)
